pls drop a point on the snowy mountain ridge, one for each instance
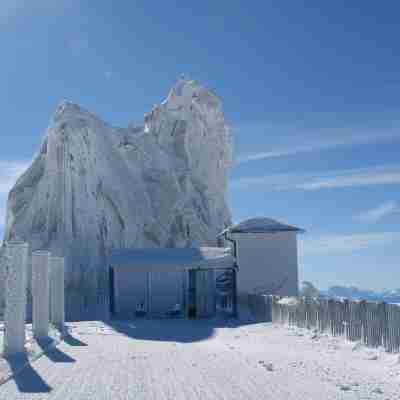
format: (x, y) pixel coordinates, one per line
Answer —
(389, 296)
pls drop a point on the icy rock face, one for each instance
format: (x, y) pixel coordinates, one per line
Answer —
(93, 187)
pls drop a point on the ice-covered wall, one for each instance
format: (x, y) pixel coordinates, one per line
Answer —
(15, 263)
(57, 303)
(41, 293)
(93, 187)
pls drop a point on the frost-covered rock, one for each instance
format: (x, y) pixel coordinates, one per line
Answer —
(93, 187)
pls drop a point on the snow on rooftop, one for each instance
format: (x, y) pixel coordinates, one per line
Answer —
(289, 301)
(261, 225)
(173, 257)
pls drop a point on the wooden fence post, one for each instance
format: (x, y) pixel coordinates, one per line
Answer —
(363, 317)
(347, 320)
(396, 323)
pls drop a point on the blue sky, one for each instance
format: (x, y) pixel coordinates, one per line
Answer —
(311, 92)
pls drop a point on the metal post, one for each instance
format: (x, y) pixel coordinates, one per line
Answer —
(149, 310)
(16, 285)
(40, 294)
(235, 295)
(57, 308)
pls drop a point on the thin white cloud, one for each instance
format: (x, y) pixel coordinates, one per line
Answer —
(275, 153)
(380, 175)
(375, 214)
(303, 142)
(2, 211)
(344, 244)
(3, 202)
(9, 173)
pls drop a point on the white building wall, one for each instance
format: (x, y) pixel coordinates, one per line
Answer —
(267, 263)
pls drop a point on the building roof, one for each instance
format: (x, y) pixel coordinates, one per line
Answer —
(260, 225)
(172, 258)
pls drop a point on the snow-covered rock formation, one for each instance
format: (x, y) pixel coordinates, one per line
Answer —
(93, 187)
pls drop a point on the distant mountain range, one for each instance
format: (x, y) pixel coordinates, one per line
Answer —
(351, 292)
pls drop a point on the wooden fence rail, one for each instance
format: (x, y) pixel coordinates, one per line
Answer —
(373, 324)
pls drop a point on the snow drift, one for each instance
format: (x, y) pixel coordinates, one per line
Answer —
(93, 187)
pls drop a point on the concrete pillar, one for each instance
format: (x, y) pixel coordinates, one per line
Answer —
(15, 312)
(57, 310)
(40, 294)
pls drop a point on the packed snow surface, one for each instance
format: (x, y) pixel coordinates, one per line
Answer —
(205, 257)
(205, 360)
(93, 187)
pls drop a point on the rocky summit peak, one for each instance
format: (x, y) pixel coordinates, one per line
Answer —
(94, 188)
(66, 106)
(190, 93)
(68, 110)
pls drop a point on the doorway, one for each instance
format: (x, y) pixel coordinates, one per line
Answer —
(226, 293)
(201, 293)
(111, 290)
(192, 309)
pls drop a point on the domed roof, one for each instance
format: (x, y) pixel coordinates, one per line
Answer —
(261, 225)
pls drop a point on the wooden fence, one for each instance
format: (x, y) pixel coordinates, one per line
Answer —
(373, 324)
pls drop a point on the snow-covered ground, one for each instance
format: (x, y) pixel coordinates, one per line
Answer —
(180, 359)
(34, 350)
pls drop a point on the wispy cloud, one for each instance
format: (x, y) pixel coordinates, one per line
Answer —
(379, 212)
(9, 173)
(305, 142)
(380, 175)
(344, 244)
(2, 213)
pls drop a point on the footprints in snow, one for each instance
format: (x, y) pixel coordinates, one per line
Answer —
(267, 366)
(355, 386)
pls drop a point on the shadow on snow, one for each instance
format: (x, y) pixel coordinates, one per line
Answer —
(73, 341)
(25, 377)
(172, 330)
(53, 353)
